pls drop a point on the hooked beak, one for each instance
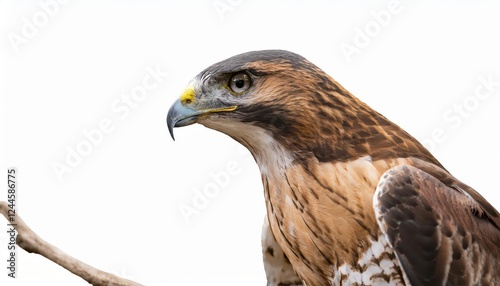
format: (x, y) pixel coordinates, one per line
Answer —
(179, 115)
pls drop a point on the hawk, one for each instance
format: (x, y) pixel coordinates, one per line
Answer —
(351, 198)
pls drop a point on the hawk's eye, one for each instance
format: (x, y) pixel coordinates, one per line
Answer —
(240, 82)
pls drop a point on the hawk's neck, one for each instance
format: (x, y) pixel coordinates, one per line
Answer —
(320, 212)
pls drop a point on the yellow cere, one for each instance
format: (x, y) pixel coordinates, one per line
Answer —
(188, 95)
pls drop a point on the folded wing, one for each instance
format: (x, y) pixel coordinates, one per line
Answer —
(440, 233)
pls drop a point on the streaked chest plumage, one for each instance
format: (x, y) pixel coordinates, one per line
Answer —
(322, 216)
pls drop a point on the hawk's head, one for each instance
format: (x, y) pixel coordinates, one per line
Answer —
(278, 101)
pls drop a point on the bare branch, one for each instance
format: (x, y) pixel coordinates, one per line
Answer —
(32, 243)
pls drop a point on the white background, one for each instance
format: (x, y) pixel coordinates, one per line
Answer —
(118, 210)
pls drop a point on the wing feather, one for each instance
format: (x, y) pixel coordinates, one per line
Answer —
(437, 232)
